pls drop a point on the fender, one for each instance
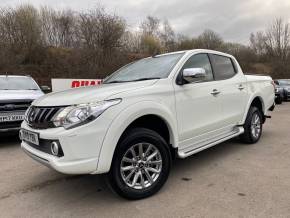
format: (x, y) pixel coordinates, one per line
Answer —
(124, 119)
(256, 95)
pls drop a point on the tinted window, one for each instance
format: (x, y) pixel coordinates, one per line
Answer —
(200, 61)
(223, 67)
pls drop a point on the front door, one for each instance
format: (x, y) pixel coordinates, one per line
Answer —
(198, 104)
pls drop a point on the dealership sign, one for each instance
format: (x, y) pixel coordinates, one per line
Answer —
(64, 84)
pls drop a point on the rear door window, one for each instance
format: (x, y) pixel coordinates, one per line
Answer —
(223, 67)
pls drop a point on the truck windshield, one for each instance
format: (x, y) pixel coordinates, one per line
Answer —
(156, 67)
(17, 83)
(284, 83)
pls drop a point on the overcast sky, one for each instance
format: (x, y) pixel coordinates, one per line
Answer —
(234, 20)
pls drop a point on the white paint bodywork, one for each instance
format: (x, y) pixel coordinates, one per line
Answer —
(195, 118)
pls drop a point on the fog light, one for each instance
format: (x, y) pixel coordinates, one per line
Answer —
(54, 148)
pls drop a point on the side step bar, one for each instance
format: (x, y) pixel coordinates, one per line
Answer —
(236, 132)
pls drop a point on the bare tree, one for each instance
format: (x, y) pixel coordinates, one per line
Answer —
(21, 32)
(100, 35)
(277, 44)
(209, 40)
(150, 27)
(131, 41)
(58, 27)
(277, 39)
(257, 43)
(167, 36)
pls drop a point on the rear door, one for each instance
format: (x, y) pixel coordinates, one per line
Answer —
(233, 91)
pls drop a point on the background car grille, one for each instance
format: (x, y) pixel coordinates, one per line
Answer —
(41, 117)
(14, 105)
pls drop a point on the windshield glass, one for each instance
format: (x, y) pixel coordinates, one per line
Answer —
(17, 83)
(157, 67)
(284, 83)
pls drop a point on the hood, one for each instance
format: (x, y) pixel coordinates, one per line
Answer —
(89, 94)
(6, 95)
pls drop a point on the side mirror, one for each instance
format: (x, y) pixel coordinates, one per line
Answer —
(193, 74)
(45, 89)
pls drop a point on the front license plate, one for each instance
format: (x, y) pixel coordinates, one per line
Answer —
(30, 137)
(11, 117)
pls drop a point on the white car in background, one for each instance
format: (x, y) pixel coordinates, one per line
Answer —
(16, 95)
(146, 113)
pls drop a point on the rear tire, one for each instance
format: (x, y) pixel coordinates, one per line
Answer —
(141, 164)
(253, 126)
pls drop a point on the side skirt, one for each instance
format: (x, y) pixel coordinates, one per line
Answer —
(190, 151)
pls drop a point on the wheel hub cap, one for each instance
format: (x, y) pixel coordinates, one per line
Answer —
(141, 166)
(256, 126)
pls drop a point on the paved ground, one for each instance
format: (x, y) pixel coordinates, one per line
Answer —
(229, 180)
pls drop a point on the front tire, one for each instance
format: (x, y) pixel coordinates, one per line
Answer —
(141, 164)
(253, 126)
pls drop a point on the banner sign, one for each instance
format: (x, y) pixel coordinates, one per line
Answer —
(64, 84)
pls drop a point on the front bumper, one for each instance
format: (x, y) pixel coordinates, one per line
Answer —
(81, 147)
(15, 129)
(83, 166)
(10, 127)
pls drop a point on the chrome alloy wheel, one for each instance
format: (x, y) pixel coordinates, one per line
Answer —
(141, 165)
(256, 125)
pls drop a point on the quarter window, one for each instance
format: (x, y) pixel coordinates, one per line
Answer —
(223, 67)
(200, 61)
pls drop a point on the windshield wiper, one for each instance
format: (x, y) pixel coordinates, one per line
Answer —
(143, 79)
(135, 80)
(115, 81)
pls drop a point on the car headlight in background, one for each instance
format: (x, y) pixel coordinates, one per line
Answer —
(77, 115)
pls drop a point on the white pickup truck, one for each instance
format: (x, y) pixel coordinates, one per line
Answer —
(144, 115)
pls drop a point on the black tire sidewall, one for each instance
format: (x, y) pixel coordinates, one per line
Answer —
(248, 137)
(133, 137)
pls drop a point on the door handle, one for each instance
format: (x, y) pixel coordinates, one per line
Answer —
(215, 92)
(241, 87)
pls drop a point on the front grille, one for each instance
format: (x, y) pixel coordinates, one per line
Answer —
(41, 117)
(14, 105)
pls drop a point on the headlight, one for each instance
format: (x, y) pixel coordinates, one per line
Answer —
(77, 115)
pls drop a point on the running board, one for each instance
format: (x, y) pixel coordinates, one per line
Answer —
(236, 132)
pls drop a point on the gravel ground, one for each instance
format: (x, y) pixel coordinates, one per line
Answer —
(228, 180)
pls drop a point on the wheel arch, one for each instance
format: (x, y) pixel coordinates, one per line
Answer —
(134, 116)
(258, 102)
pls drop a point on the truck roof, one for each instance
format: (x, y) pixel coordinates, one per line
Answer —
(197, 50)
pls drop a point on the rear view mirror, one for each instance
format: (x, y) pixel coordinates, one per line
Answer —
(45, 89)
(193, 74)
